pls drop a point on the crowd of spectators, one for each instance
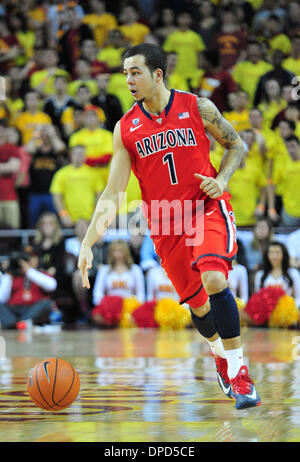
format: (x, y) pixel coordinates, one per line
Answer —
(62, 92)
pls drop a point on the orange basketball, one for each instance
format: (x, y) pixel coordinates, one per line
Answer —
(53, 384)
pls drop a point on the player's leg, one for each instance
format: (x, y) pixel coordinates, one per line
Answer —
(204, 321)
(213, 257)
(176, 260)
(226, 317)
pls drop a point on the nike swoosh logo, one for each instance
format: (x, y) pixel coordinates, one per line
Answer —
(46, 370)
(135, 128)
(225, 389)
(253, 394)
(209, 213)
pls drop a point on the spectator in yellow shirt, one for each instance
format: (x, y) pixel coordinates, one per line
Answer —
(256, 121)
(283, 76)
(100, 21)
(118, 86)
(43, 80)
(175, 79)
(247, 187)
(31, 119)
(72, 116)
(247, 73)
(239, 115)
(13, 102)
(265, 137)
(133, 30)
(112, 51)
(290, 178)
(75, 189)
(276, 39)
(83, 77)
(165, 24)
(272, 102)
(292, 62)
(97, 142)
(187, 43)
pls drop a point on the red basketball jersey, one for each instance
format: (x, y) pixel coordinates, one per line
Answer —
(167, 150)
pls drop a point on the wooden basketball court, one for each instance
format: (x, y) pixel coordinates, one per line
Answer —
(151, 386)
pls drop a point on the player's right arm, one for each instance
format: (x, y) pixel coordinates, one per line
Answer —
(108, 203)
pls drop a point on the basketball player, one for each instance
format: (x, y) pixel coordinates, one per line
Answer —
(162, 138)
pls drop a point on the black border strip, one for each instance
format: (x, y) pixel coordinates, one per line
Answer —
(191, 296)
(213, 255)
(228, 232)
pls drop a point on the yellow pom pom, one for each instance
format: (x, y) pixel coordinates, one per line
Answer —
(285, 313)
(240, 303)
(170, 315)
(129, 305)
(241, 306)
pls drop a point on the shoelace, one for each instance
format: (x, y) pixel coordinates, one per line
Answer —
(242, 383)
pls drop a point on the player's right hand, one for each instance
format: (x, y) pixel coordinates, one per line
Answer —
(84, 264)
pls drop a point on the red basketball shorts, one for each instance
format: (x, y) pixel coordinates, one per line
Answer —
(211, 248)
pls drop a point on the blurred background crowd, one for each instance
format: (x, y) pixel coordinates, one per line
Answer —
(62, 91)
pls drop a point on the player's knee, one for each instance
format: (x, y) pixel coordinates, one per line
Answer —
(214, 282)
(201, 310)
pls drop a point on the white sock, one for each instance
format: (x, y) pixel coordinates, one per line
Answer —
(235, 361)
(217, 347)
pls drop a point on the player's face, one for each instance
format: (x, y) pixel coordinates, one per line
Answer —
(139, 78)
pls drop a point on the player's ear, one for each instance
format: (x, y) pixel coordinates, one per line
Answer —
(158, 75)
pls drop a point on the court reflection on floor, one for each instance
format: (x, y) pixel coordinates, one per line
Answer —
(152, 385)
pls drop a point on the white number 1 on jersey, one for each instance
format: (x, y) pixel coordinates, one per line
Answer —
(169, 159)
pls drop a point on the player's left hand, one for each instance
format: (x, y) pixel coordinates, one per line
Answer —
(213, 187)
(84, 264)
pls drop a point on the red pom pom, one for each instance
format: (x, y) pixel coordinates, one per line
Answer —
(110, 308)
(144, 315)
(262, 303)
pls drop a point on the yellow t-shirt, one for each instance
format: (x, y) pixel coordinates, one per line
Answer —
(135, 33)
(280, 158)
(177, 81)
(39, 77)
(270, 111)
(239, 120)
(289, 178)
(28, 123)
(280, 42)
(271, 144)
(292, 65)
(118, 86)
(271, 141)
(133, 194)
(256, 3)
(27, 40)
(245, 186)
(247, 75)
(15, 108)
(78, 188)
(187, 45)
(75, 84)
(255, 157)
(111, 56)
(67, 116)
(97, 143)
(100, 25)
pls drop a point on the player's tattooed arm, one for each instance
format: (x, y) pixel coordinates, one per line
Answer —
(223, 132)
